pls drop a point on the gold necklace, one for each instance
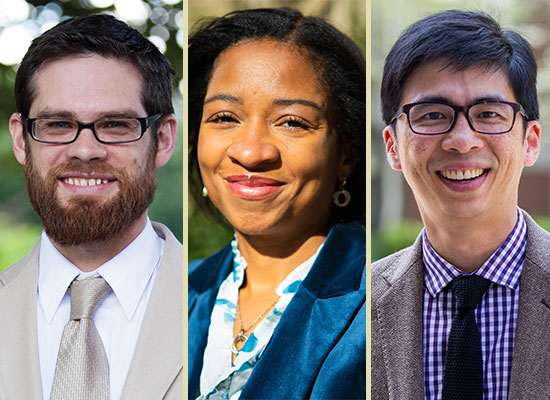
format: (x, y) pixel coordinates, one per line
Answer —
(241, 336)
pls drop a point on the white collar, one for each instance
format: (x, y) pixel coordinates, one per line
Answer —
(127, 273)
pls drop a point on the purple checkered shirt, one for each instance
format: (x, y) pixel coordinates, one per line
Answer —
(495, 315)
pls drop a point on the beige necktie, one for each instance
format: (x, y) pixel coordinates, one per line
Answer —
(82, 370)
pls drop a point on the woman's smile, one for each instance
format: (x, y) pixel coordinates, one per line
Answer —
(252, 187)
(266, 152)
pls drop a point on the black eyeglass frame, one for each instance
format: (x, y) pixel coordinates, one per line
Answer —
(406, 108)
(145, 123)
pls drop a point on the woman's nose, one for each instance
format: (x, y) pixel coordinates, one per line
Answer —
(253, 146)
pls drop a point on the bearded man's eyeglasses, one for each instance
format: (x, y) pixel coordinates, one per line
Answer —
(487, 117)
(58, 130)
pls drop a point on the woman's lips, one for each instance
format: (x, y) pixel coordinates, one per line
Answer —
(252, 187)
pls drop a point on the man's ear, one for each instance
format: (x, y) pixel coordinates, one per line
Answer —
(166, 132)
(392, 151)
(18, 138)
(347, 160)
(532, 143)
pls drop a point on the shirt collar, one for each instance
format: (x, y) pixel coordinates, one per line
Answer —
(127, 273)
(503, 267)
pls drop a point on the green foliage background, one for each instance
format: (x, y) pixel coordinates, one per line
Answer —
(19, 226)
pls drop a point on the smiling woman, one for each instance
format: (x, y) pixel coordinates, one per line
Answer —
(264, 136)
(277, 145)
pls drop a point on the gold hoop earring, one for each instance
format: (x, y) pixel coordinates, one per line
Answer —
(341, 197)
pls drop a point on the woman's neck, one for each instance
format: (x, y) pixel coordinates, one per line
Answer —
(270, 261)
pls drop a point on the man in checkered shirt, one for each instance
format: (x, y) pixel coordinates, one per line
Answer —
(460, 102)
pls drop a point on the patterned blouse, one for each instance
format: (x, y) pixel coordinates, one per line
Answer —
(220, 377)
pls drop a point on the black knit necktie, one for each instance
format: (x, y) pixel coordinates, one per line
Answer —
(463, 377)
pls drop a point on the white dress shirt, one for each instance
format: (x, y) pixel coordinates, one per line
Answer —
(131, 274)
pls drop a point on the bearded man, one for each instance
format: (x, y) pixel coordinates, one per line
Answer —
(94, 311)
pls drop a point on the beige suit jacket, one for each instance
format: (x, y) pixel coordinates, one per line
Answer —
(397, 293)
(156, 371)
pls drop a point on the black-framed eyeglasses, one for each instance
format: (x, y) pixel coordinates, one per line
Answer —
(492, 117)
(110, 130)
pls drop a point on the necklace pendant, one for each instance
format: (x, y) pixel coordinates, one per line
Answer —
(240, 337)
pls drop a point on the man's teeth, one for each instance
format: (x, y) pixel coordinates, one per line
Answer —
(461, 175)
(84, 182)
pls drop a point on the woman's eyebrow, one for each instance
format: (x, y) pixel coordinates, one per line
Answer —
(224, 97)
(289, 102)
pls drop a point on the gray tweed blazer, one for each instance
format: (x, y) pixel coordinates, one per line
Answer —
(397, 293)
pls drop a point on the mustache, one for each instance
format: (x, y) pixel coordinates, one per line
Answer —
(88, 167)
(85, 220)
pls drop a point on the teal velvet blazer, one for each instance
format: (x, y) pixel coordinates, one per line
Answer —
(318, 349)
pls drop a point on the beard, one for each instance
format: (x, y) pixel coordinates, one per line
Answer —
(88, 219)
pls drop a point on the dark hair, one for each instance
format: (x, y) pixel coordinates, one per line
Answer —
(108, 37)
(342, 69)
(462, 39)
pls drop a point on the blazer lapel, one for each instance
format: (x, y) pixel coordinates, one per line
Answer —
(205, 278)
(321, 311)
(158, 358)
(530, 375)
(399, 314)
(19, 369)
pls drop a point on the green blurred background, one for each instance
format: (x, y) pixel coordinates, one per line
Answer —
(206, 236)
(395, 219)
(20, 21)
